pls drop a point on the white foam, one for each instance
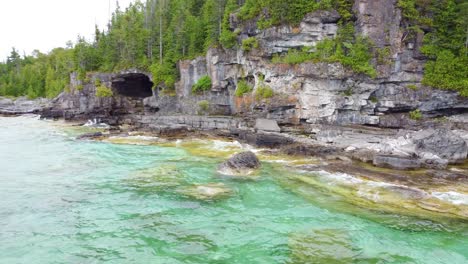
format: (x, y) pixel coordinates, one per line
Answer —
(340, 177)
(452, 197)
(96, 124)
(221, 145)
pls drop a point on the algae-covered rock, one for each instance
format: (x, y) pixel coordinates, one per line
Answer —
(321, 246)
(92, 135)
(243, 163)
(209, 191)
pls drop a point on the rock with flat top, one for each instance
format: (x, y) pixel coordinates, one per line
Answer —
(268, 125)
(396, 162)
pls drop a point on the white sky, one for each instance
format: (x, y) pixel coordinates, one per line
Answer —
(46, 24)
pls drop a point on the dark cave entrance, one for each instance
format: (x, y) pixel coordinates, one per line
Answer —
(134, 85)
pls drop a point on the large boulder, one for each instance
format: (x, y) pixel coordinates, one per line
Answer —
(243, 163)
(444, 144)
(267, 125)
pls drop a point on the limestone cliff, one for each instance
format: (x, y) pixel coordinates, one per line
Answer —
(308, 93)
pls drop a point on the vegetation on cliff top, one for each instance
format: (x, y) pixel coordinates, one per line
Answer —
(445, 40)
(156, 34)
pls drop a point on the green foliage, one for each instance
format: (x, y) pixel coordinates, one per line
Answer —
(356, 56)
(79, 87)
(383, 56)
(203, 84)
(243, 88)
(103, 91)
(164, 75)
(250, 43)
(414, 14)
(344, 8)
(204, 105)
(274, 12)
(373, 99)
(447, 47)
(97, 82)
(415, 115)
(412, 86)
(228, 38)
(263, 92)
(447, 72)
(261, 77)
(39, 75)
(294, 57)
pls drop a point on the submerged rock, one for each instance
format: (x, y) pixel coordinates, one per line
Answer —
(210, 191)
(158, 179)
(92, 135)
(243, 163)
(321, 246)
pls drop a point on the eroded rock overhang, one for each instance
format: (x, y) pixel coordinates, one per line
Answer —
(134, 85)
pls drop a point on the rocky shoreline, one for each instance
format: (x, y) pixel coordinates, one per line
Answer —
(433, 146)
(435, 150)
(22, 105)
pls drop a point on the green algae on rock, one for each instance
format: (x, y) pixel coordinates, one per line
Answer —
(158, 178)
(321, 246)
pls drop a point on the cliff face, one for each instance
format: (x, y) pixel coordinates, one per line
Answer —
(308, 93)
(323, 92)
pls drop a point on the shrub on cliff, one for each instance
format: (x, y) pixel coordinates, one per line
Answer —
(416, 114)
(294, 57)
(250, 43)
(102, 91)
(263, 92)
(203, 84)
(242, 88)
(357, 56)
(203, 106)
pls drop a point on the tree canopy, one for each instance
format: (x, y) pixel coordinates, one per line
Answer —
(155, 34)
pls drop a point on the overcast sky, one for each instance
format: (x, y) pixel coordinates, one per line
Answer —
(46, 24)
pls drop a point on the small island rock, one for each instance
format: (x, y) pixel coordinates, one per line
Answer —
(243, 163)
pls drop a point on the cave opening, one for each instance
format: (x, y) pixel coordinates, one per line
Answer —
(134, 85)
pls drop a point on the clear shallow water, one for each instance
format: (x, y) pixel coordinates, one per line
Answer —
(68, 201)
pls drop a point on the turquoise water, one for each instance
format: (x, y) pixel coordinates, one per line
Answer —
(69, 201)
